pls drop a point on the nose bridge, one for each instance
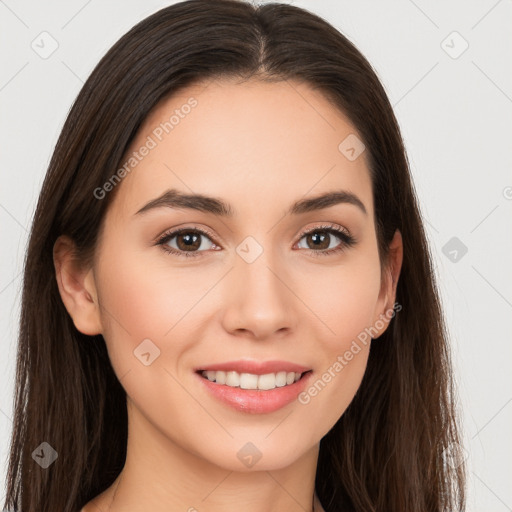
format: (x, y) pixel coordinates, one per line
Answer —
(258, 267)
(259, 300)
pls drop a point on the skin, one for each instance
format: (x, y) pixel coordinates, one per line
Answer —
(259, 147)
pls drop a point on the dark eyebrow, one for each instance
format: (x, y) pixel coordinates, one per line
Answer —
(176, 199)
(326, 200)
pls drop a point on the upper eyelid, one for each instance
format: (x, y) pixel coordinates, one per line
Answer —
(326, 226)
(171, 233)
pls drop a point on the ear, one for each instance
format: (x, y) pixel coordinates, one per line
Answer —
(77, 287)
(389, 281)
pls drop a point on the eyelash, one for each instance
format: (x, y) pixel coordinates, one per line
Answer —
(347, 240)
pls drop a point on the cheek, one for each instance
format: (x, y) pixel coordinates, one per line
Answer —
(344, 299)
(346, 305)
(147, 298)
(138, 303)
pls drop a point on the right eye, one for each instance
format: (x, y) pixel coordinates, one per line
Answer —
(188, 241)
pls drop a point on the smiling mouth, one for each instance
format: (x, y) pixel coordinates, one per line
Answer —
(252, 381)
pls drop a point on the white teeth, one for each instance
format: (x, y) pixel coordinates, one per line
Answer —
(252, 381)
(281, 379)
(267, 381)
(248, 381)
(232, 379)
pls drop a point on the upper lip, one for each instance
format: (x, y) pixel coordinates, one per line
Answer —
(255, 367)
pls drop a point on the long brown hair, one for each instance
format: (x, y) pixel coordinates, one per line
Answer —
(387, 451)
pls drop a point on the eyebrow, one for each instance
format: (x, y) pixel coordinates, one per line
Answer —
(176, 199)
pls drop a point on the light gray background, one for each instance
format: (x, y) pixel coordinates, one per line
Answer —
(455, 114)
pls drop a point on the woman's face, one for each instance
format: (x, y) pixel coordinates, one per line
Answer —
(243, 283)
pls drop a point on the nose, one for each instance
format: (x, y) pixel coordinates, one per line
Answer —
(258, 299)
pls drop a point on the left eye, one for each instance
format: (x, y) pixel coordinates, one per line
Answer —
(323, 233)
(319, 238)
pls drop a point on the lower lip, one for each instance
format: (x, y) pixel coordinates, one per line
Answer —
(256, 401)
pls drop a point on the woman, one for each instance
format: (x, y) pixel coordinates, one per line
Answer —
(228, 297)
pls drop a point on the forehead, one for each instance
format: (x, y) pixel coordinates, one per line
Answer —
(252, 143)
